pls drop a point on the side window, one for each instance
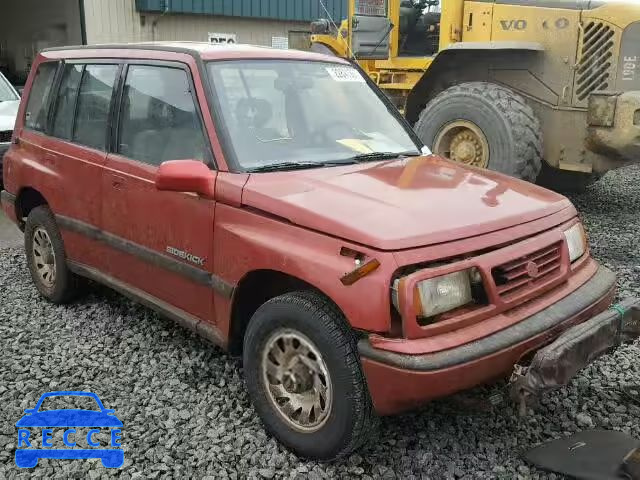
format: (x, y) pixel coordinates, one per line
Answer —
(36, 112)
(158, 117)
(94, 101)
(66, 101)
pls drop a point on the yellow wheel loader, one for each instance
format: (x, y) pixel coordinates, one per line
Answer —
(537, 89)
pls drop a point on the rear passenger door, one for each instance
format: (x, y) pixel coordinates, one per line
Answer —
(75, 153)
(161, 242)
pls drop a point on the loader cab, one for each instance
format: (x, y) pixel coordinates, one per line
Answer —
(419, 25)
(382, 29)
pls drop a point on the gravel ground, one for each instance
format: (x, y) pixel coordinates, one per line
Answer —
(186, 412)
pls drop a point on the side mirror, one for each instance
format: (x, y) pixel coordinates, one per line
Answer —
(186, 176)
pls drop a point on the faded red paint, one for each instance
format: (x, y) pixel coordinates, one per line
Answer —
(401, 212)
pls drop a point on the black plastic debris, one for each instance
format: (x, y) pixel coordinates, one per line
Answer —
(590, 455)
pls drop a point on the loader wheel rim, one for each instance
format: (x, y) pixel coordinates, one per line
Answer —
(464, 142)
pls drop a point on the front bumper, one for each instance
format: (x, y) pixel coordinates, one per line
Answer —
(556, 364)
(399, 382)
(614, 125)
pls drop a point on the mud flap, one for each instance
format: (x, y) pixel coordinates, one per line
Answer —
(556, 364)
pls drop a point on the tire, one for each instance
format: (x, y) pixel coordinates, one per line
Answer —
(64, 285)
(511, 128)
(349, 417)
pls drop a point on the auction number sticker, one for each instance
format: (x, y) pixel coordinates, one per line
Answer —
(344, 74)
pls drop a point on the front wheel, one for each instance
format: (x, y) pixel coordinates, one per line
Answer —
(484, 125)
(304, 376)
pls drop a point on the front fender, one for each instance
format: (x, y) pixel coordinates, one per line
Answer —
(246, 240)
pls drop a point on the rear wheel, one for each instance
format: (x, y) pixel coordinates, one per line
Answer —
(304, 376)
(484, 125)
(47, 259)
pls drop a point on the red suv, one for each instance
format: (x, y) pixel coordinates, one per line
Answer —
(276, 203)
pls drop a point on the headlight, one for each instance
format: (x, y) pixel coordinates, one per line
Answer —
(441, 294)
(576, 241)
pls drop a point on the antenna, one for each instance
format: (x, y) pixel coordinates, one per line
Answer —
(324, 7)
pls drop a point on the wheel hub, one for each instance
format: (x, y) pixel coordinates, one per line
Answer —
(463, 142)
(466, 148)
(296, 380)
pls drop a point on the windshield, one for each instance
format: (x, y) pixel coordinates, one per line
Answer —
(303, 113)
(6, 90)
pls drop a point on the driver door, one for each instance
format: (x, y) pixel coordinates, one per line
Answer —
(371, 30)
(161, 242)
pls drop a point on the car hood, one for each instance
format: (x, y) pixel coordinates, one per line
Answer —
(69, 418)
(8, 113)
(400, 204)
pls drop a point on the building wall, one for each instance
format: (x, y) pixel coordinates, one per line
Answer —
(28, 26)
(298, 10)
(109, 21)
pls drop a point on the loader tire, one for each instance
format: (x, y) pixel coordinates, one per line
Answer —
(488, 126)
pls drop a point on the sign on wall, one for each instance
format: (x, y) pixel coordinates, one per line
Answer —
(376, 8)
(280, 42)
(223, 38)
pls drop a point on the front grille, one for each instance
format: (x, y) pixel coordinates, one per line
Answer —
(5, 136)
(596, 65)
(526, 273)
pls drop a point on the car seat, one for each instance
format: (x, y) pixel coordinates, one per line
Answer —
(255, 114)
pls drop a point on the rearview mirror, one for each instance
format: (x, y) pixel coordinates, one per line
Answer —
(186, 176)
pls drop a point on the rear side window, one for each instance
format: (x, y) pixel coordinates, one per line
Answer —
(36, 112)
(83, 103)
(94, 101)
(66, 101)
(158, 118)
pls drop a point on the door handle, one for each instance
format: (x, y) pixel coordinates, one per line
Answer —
(117, 182)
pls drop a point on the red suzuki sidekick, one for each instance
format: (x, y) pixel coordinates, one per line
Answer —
(276, 203)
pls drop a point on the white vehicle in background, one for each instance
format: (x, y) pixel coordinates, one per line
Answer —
(9, 103)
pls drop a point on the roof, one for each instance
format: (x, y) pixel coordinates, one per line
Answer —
(203, 50)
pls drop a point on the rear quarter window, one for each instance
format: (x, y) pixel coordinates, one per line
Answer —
(93, 104)
(66, 101)
(36, 111)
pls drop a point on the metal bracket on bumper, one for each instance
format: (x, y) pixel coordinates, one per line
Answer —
(556, 364)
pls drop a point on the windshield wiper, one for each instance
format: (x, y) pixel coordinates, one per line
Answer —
(274, 167)
(365, 157)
